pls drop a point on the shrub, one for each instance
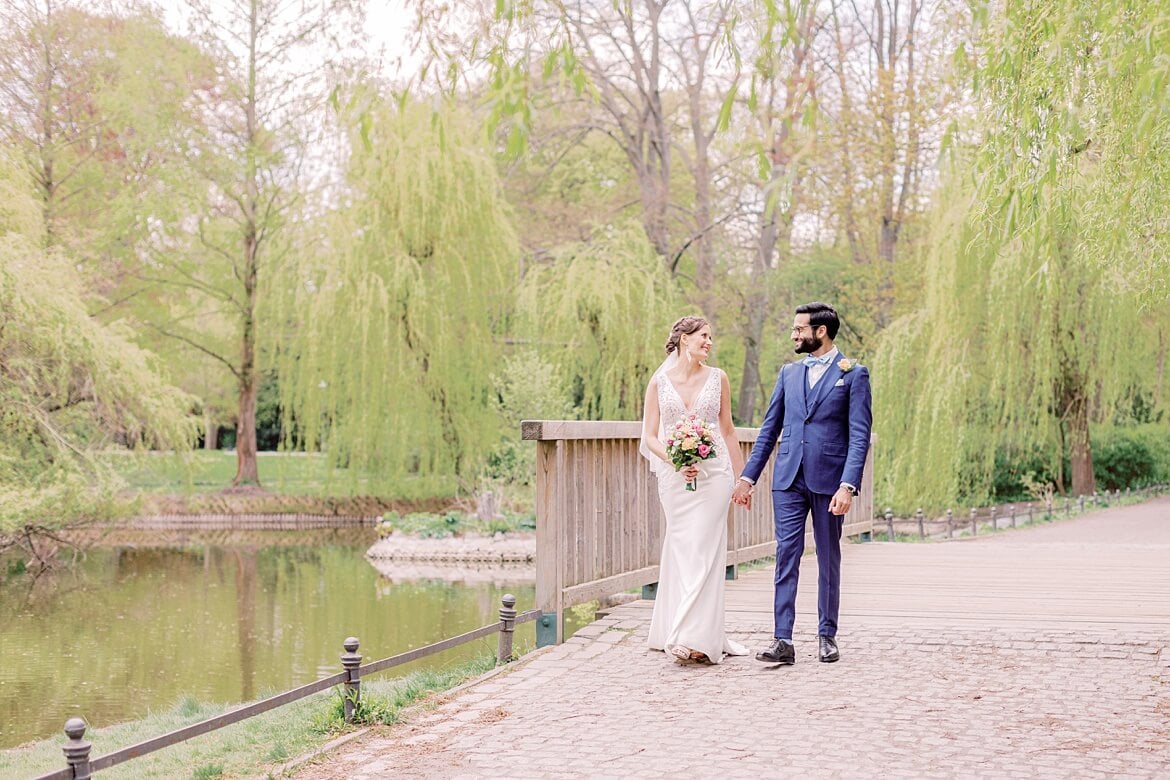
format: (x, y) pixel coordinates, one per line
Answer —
(1131, 456)
(511, 462)
(1017, 474)
(425, 525)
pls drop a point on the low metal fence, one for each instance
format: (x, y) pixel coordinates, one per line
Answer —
(996, 517)
(77, 749)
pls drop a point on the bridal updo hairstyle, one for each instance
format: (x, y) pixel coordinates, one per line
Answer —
(684, 327)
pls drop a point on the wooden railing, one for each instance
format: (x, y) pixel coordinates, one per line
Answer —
(77, 749)
(1000, 516)
(599, 522)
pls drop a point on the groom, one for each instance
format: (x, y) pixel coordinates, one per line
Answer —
(820, 411)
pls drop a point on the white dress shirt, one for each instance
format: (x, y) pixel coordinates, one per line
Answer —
(816, 372)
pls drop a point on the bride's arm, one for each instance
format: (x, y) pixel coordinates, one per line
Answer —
(650, 422)
(727, 425)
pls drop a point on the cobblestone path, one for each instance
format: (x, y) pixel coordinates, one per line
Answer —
(1040, 652)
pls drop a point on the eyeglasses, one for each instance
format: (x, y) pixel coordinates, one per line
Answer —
(799, 328)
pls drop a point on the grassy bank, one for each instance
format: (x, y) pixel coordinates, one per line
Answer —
(255, 747)
(295, 474)
(193, 483)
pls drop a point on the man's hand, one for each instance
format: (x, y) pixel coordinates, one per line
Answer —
(742, 494)
(841, 501)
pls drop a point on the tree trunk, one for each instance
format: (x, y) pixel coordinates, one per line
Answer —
(247, 472)
(745, 410)
(1080, 452)
(704, 256)
(757, 311)
(1160, 375)
(775, 232)
(210, 431)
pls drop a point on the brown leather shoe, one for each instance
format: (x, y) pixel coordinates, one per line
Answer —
(828, 649)
(780, 652)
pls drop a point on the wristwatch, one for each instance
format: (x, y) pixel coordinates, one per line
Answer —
(852, 490)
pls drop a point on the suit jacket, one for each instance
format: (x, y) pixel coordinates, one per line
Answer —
(825, 429)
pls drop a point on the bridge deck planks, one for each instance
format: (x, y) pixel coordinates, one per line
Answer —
(1108, 569)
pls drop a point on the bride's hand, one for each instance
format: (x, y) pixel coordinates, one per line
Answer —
(690, 472)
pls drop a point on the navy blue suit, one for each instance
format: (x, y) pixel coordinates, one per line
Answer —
(824, 437)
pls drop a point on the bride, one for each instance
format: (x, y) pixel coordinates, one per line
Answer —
(688, 609)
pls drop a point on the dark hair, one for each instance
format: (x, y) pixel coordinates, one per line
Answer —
(821, 314)
(685, 326)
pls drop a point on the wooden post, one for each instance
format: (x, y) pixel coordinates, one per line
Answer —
(350, 661)
(950, 524)
(890, 524)
(77, 749)
(1012, 514)
(485, 507)
(507, 628)
(994, 517)
(1080, 505)
(550, 520)
(974, 523)
(921, 526)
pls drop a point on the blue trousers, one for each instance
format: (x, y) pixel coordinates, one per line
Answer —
(790, 508)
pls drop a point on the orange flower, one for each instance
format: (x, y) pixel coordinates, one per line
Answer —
(845, 364)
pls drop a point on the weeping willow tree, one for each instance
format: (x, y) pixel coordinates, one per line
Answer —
(1030, 327)
(69, 386)
(399, 314)
(600, 311)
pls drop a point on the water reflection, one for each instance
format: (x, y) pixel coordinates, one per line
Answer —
(145, 619)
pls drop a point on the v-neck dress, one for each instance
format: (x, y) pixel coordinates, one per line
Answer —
(689, 605)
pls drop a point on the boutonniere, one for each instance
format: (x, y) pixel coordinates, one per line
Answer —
(846, 365)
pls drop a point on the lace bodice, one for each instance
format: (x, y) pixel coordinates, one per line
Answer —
(670, 403)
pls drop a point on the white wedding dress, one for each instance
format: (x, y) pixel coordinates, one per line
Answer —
(688, 608)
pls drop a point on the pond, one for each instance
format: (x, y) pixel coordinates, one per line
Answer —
(144, 620)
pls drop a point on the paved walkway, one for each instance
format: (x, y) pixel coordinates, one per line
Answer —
(1041, 652)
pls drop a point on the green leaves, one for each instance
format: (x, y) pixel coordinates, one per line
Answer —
(389, 368)
(1040, 246)
(725, 109)
(599, 309)
(68, 384)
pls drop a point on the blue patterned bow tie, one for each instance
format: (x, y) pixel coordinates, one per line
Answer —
(811, 361)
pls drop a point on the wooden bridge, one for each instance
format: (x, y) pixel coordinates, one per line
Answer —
(599, 522)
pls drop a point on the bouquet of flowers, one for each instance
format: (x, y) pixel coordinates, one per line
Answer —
(689, 441)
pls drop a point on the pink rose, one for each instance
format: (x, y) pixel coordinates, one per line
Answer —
(703, 450)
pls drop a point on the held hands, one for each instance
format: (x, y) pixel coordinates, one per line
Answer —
(742, 494)
(841, 501)
(690, 473)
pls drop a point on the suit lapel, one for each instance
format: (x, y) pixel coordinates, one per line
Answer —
(800, 380)
(827, 380)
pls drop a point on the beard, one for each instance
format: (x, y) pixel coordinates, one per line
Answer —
(809, 344)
